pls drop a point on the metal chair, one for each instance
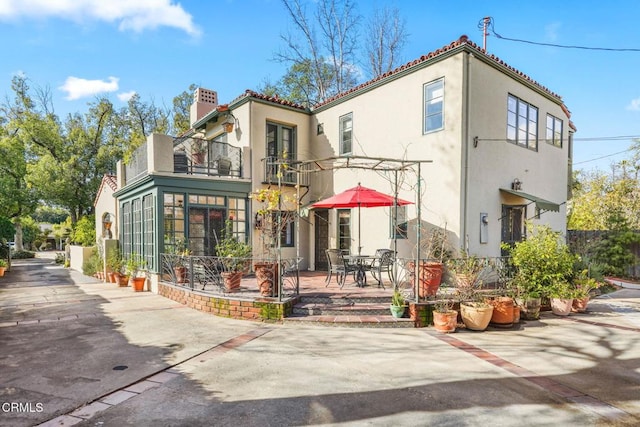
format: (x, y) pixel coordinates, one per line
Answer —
(338, 265)
(383, 262)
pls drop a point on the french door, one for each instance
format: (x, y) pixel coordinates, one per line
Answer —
(205, 229)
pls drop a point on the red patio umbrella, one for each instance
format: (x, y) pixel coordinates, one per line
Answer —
(360, 197)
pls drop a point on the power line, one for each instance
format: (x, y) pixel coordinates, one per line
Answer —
(603, 157)
(489, 22)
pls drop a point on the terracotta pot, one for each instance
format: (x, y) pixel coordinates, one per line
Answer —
(111, 277)
(445, 321)
(502, 311)
(266, 275)
(138, 283)
(181, 274)
(561, 306)
(429, 277)
(516, 314)
(123, 280)
(2, 269)
(580, 304)
(231, 281)
(476, 316)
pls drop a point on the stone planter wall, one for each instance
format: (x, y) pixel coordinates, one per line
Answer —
(261, 309)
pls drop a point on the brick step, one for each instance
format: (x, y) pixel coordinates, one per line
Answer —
(344, 299)
(354, 321)
(341, 309)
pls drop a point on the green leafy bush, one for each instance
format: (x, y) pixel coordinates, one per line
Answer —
(23, 254)
(85, 231)
(93, 264)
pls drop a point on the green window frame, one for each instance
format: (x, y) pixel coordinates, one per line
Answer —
(344, 229)
(554, 131)
(148, 231)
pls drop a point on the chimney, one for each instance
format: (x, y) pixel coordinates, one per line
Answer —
(204, 101)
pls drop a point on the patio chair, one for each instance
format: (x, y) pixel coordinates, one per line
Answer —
(338, 265)
(383, 262)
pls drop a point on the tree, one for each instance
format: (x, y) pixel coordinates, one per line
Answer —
(322, 51)
(182, 110)
(385, 38)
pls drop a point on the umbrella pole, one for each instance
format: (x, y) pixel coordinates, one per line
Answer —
(359, 215)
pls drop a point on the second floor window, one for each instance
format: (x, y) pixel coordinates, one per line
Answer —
(281, 146)
(554, 131)
(522, 123)
(346, 134)
(434, 106)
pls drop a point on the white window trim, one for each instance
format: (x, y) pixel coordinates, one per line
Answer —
(424, 106)
(344, 118)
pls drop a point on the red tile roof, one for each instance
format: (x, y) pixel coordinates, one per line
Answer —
(463, 40)
(109, 180)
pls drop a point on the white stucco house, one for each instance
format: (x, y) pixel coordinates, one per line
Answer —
(493, 145)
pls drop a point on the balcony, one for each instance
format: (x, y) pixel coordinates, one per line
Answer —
(164, 154)
(283, 171)
(202, 157)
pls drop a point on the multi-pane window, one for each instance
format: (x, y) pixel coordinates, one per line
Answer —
(344, 229)
(148, 234)
(136, 207)
(281, 146)
(346, 134)
(554, 131)
(126, 228)
(286, 225)
(434, 106)
(173, 214)
(399, 222)
(522, 123)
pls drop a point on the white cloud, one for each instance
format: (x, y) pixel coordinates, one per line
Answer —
(126, 96)
(136, 15)
(551, 31)
(77, 88)
(634, 105)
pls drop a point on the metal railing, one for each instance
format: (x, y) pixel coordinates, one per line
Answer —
(137, 166)
(277, 170)
(197, 156)
(205, 274)
(494, 275)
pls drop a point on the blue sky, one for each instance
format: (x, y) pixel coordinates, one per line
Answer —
(157, 48)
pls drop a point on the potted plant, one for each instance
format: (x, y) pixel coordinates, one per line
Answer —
(475, 311)
(561, 295)
(275, 210)
(135, 269)
(397, 304)
(540, 261)
(180, 252)
(584, 285)
(445, 318)
(433, 252)
(466, 269)
(3, 266)
(198, 151)
(235, 257)
(116, 265)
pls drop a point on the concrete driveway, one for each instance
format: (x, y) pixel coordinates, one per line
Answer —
(76, 351)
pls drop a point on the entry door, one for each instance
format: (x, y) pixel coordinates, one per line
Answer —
(321, 238)
(205, 228)
(512, 224)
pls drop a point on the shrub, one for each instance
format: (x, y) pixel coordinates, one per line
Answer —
(85, 231)
(23, 254)
(93, 264)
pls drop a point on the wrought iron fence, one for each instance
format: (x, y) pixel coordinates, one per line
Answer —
(204, 157)
(205, 274)
(136, 167)
(495, 273)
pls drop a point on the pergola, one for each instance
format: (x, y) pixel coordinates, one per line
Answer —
(376, 164)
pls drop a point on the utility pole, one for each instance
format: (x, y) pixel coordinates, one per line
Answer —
(485, 25)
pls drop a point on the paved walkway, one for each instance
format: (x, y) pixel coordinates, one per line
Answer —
(75, 351)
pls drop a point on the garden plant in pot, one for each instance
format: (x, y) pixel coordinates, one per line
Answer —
(276, 210)
(235, 257)
(116, 265)
(445, 318)
(135, 268)
(541, 261)
(475, 311)
(584, 286)
(433, 253)
(561, 296)
(397, 304)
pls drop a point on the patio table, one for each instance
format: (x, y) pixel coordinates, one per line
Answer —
(360, 261)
